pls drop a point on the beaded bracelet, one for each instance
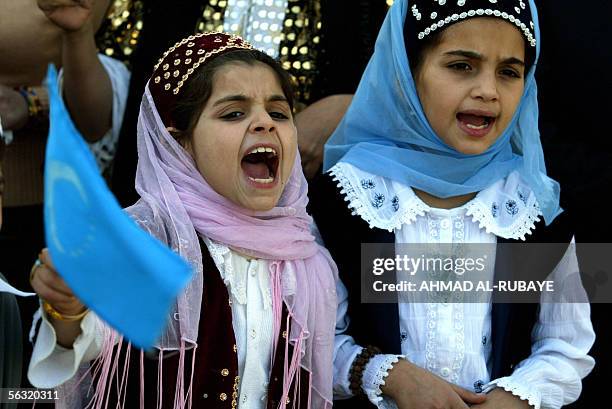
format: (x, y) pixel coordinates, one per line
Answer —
(35, 106)
(358, 366)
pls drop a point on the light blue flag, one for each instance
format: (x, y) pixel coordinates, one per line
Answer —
(119, 271)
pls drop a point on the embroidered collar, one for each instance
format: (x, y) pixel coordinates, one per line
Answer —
(235, 281)
(508, 208)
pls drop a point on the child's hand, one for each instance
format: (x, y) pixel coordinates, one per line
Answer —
(13, 109)
(501, 399)
(69, 15)
(51, 288)
(413, 387)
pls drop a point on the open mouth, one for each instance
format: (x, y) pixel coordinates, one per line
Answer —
(261, 164)
(477, 124)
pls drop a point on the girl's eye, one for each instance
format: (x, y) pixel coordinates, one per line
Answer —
(510, 73)
(278, 115)
(232, 115)
(460, 66)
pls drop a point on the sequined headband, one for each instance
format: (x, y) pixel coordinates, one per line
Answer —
(182, 59)
(430, 16)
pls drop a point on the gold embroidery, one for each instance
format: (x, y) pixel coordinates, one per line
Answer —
(299, 45)
(120, 30)
(212, 16)
(235, 392)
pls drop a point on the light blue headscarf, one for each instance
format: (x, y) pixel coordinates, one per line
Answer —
(385, 131)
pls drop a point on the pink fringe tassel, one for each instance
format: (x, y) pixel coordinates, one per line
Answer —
(179, 392)
(123, 387)
(102, 369)
(190, 391)
(277, 306)
(142, 379)
(160, 387)
(105, 375)
(291, 372)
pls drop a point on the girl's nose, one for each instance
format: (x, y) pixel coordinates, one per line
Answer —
(486, 88)
(262, 124)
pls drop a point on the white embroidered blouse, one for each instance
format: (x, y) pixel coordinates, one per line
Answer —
(452, 340)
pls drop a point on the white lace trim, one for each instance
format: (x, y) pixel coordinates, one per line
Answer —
(410, 209)
(218, 252)
(265, 283)
(523, 392)
(507, 209)
(459, 328)
(431, 343)
(523, 226)
(383, 363)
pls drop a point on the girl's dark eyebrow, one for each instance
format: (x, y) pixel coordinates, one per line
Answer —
(230, 98)
(278, 98)
(476, 56)
(243, 98)
(513, 61)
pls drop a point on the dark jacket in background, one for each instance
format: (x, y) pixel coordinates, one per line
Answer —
(575, 88)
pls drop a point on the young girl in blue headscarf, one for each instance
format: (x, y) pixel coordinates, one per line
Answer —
(441, 145)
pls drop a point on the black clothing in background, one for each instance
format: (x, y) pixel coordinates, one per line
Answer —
(575, 88)
(164, 23)
(348, 35)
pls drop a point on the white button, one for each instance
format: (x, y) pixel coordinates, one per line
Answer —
(445, 372)
(445, 224)
(253, 334)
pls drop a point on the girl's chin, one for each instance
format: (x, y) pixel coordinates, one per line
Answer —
(471, 147)
(259, 199)
(261, 205)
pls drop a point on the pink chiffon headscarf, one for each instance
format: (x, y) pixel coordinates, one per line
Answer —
(177, 205)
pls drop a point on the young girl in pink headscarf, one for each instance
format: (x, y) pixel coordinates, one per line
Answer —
(220, 184)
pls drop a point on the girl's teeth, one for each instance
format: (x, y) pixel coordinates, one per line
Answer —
(261, 149)
(483, 126)
(264, 181)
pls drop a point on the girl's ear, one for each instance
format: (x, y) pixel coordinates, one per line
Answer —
(173, 131)
(180, 137)
(176, 134)
(186, 144)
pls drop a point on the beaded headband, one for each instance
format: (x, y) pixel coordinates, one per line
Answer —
(432, 15)
(182, 59)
